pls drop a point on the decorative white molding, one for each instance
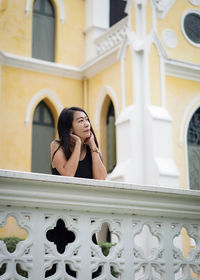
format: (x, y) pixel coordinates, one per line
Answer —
(126, 115)
(175, 68)
(158, 43)
(107, 90)
(195, 2)
(188, 113)
(170, 39)
(59, 4)
(44, 93)
(187, 116)
(159, 113)
(112, 37)
(163, 6)
(194, 11)
(99, 63)
(183, 70)
(38, 65)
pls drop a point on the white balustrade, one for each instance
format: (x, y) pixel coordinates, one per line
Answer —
(145, 224)
(112, 37)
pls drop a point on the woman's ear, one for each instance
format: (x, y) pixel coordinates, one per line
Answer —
(71, 130)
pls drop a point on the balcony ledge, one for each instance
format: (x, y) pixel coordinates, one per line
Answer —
(58, 192)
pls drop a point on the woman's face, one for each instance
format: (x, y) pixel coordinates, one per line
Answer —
(81, 125)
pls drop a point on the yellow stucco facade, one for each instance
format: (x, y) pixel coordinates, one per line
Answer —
(16, 30)
(19, 86)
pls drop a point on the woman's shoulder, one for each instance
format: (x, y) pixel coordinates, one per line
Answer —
(54, 145)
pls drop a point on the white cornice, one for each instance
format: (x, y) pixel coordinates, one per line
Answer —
(38, 65)
(180, 69)
(99, 63)
(88, 69)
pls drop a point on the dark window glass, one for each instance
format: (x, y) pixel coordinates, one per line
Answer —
(192, 27)
(193, 141)
(117, 8)
(42, 135)
(111, 138)
(43, 38)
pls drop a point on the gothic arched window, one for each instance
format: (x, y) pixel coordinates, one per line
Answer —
(43, 31)
(193, 142)
(43, 133)
(111, 138)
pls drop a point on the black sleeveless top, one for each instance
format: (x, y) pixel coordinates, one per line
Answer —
(84, 169)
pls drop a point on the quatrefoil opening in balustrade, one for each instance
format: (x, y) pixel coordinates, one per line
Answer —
(106, 240)
(68, 269)
(60, 236)
(185, 243)
(146, 241)
(12, 234)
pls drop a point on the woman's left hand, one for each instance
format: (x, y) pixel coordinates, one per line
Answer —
(90, 141)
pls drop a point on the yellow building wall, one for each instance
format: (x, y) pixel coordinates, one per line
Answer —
(14, 37)
(154, 76)
(11, 228)
(180, 93)
(148, 16)
(109, 77)
(70, 44)
(129, 77)
(18, 88)
(133, 19)
(184, 51)
(16, 31)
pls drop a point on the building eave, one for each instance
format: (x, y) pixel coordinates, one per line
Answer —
(183, 70)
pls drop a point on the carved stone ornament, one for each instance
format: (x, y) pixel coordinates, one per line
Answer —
(169, 38)
(195, 2)
(163, 6)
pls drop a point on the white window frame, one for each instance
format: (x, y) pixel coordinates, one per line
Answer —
(190, 11)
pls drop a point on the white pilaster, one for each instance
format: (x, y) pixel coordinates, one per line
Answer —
(97, 21)
(144, 132)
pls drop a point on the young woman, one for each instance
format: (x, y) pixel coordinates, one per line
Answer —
(76, 153)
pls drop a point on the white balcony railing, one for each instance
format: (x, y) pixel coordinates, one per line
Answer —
(112, 37)
(135, 215)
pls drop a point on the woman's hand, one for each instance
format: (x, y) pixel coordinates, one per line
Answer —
(90, 141)
(75, 139)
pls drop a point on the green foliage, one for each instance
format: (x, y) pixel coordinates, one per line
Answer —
(11, 243)
(105, 247)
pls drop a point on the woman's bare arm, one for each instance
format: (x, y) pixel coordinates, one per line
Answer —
(98, 168)
(65, 167)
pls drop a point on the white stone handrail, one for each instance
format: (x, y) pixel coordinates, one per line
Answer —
(132, 213)
(112, 36)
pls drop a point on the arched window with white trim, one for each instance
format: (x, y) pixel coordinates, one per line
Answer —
(193, 143)
(43, 30)
(111, 138)
(43, 132)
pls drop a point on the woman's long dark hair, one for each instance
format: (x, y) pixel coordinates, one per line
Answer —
(65, 124)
